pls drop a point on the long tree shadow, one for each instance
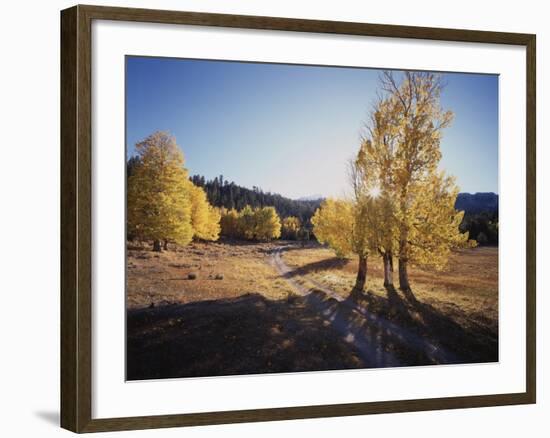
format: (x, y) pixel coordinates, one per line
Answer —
(325, 264)
(381, 342)
(474, 344)
(245, 335)
(251, 334)
(452, 342)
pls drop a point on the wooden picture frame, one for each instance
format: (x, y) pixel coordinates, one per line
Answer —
(76, 217)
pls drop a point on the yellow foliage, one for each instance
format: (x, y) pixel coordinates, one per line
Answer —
(251, 223)
(158, 201)
(163, 205)
(290, 227)
(268, 224)
(341, 225)
(205, 219)
(434, 229)
(247, 223)
(414, 212)
(229, 222)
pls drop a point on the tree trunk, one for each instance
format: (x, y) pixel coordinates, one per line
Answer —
(403, 259)
(388, 268)
(361, 274)
(156, 246)
(403, 276)
(166, 245)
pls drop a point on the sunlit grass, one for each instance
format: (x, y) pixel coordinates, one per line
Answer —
(467, 290)
(162, 278)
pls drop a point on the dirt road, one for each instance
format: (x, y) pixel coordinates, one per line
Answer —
(374, 336)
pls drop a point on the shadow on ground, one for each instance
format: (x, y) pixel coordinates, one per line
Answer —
(455, 342)
(253, 335)
(245, 335)
(331, 263)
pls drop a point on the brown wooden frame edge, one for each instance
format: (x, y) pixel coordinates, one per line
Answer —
(76, 168)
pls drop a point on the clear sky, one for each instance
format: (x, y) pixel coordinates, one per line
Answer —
(291, 129)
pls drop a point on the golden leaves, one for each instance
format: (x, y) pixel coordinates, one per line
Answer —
(162, 203)
(334, 224)
(290, 227)
(251, 223)
(205, 219)
(414, 207)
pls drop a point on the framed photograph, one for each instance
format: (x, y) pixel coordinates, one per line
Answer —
(269, 218)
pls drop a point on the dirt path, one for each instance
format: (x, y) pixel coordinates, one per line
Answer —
(374, 336)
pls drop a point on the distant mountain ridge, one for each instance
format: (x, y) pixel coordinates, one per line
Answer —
(480, 202)
(315, 197)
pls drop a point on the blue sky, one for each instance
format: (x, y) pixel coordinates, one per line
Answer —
(291, 129)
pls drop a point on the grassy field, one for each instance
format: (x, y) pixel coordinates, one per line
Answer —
(244, 308)
(222, 270)
(466, 291)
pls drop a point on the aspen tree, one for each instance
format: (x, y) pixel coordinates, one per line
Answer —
(290, 227)
(158, 201)
(342, 225)
(401, 155)
(205, 219)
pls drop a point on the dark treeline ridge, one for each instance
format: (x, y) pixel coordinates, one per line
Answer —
(480, 217)
(223, 193)
(483, 227)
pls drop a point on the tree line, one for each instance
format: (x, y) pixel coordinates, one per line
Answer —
(483, 227)
(226, 194)
(165, 206)
(260, 223)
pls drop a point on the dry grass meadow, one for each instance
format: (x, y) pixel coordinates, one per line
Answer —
(467, 291)
(221, 270)
(231, 307)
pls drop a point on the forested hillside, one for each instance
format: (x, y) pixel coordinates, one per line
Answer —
(481, 216)
(223, 193)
